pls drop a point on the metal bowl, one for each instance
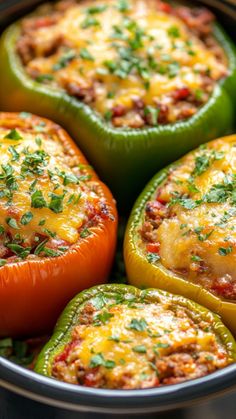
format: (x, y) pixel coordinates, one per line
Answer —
(24, 394)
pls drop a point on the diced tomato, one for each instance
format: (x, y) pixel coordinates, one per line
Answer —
(164, 7)
(153, 247)
(64, 355)
(91, 380)
(44, 22)
(181, 94)
(223, 289)
(160, 200)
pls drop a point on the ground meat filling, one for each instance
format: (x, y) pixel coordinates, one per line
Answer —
(48, 200)
(189, 226)
(136, 62)
(134, 345)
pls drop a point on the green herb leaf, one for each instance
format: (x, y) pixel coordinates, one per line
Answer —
(85, 54)
(26, 218)
(3, 262)
(103, 317)
(96, 361)
(152, 114)
(44, 77)
(20, 251)
(196, 258)
(141, 349)
(85, 233)
(64, 60)
(40, 247)
(138, 324)
(89, 21)
(96, 9)
(14, 153)
(174, 32)
(13, 135)
(12, 223)
(37, 200)
(56, 203)
(224, 251)
(153, 257)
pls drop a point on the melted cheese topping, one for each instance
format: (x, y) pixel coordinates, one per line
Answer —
(119, 55)
(45, 194)
(201, 218)
(127, 343)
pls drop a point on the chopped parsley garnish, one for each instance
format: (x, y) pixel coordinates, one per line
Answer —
(203, 161)
(86, 55)
(152, 114)
(162, 345)
(26, 218)
(14, 153)
(37, 200)
(96, 9)
(153, 366)
(114, 338)
(138, 324)
(20, 251)
(12, 223)
(224, 251)
(44, 77)
(40, 247)
(89, 21)
(49, 232)
(174, 32)
(196, 258)
(123, 5)
(85, 233)
(56, 203)
(99, 360)
(38, 141)
(202, 236)
(153, 257)
(141, 349)
(64, 60)
(13, 135)
(34, 163)
(3, 262)
(103, 317)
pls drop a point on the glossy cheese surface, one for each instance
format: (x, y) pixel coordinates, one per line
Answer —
(195, 231)
(113, 55)
(49, 197)
(133, 345)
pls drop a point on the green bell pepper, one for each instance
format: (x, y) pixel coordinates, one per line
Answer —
(145, 272)
(103, 302)
(124, 158)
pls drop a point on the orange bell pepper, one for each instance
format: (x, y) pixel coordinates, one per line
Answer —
(34, 289)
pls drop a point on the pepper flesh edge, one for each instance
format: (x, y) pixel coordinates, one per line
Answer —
(106, 147)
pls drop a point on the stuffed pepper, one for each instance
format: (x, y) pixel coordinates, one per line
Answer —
(57, 224)
(119, 337)
(136, 83)
(181, 235)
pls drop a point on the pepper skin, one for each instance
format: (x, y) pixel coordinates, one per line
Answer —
(144, 274)
(124, 158)
(62, 334)
(34, 291)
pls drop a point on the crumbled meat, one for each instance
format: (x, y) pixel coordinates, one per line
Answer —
(85, 93)
(198, 20)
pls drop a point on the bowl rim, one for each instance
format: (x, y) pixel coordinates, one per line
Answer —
(52, 392)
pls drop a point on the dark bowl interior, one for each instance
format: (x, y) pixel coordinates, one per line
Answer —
(33, 386)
